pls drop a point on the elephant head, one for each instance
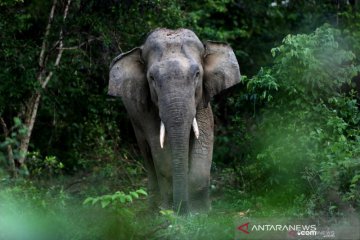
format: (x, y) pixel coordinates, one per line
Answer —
(176, 73)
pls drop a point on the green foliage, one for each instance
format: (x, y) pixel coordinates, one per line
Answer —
(16, 132)
(116, 199)
(42, 168)
(308, 139)
(316, 63)
(350, 23)
(19, 65)
(75, 108)
(31, 212)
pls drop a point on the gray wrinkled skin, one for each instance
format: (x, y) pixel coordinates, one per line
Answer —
(171, 78)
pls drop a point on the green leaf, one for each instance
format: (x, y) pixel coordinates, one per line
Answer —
(17, 121)
(95, 200)
(355, 179)
(105, 203)
(166, 212)
(128, 198)
(134, 194)
(88, 200)
(122, 198)
(142, 191)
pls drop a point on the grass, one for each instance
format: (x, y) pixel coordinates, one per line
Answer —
(28, 212)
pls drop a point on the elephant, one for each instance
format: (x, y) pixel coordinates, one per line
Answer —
(166, 86)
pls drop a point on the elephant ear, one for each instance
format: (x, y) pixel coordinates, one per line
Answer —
(127, 77)
(221, 69)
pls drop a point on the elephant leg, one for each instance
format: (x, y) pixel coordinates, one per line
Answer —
(153, 186)
(165, 192)
(200, 161)
(162, 161)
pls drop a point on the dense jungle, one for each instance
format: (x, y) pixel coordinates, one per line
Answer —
(287, 137)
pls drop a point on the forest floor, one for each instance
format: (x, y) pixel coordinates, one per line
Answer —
(54, 209)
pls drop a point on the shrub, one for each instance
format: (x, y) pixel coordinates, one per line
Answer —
(307, 130)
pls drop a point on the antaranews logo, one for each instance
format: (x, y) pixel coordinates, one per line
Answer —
(344, 228)
(300, 230)
(244, 228)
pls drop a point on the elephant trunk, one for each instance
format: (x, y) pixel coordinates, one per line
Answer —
(178, 121)
(179, 143)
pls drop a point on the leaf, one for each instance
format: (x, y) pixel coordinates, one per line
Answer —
(17, 121)
(142, 191)
(166, 212)
(128, 198)
(87, 200)
(105, 203)
(122, 198)
(355, 179)
(107, 197)
(134, 194)
(332, 208)
(95, 200)
(114, 196)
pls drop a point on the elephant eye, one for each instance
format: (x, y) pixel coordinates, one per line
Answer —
(196, 78)
(197, 74)
(152, 79)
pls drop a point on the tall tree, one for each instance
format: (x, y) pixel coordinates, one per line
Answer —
(29, 109)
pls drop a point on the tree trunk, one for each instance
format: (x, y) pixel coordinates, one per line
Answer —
(10, 153)
(43, 79)
(30, 117)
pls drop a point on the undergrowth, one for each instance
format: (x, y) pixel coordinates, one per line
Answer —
(30, 212)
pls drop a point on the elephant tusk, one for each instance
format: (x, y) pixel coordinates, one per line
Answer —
(162, 134)
(195, 128)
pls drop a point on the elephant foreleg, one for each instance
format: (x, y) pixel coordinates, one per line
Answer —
(162, 161)
(200, 161)
(153, 186)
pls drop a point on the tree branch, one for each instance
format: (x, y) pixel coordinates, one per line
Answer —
(47, 32)
(61, 44)
(4, 127)
(61, 35)
(81, 44)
